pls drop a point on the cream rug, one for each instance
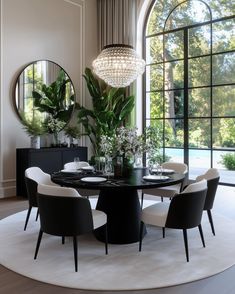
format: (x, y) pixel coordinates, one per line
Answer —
(161, 263)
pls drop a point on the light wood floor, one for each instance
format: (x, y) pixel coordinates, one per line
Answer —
(223, 283)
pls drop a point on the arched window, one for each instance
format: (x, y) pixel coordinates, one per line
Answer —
(189, 93)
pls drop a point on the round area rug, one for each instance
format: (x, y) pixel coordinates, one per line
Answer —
(161, 263)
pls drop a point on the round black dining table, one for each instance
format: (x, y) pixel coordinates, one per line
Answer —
(118, 198)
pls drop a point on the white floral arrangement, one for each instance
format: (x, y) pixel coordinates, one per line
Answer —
(125, 142)
(54, 125)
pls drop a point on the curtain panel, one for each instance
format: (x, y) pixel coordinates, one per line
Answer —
(117, 22)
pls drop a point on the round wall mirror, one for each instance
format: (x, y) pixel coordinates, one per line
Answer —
(44, 92)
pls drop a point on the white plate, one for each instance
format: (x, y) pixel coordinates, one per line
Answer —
(164, 170)
(155, 178)
(87, 168)
(93, 179)
(70, 171)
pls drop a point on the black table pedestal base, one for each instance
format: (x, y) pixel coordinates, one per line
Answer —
(123, 213)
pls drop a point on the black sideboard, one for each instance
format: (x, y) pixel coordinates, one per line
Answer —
(48, 159)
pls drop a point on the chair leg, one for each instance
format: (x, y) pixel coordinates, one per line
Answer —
(38, 243)
(142, 200)
(211, 221)
(161, 198)
(163, 232)
(63, 240)
(106, 239)
(75, 251)
(201, 234)
(37, 215)
(186, 244)
(141, 235)
(27, 217)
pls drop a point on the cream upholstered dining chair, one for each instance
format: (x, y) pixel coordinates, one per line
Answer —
(63, 212)
(168, 191)
(75, 165)
(212, 176)
(84, 192)
(34, 176)
(184, 212)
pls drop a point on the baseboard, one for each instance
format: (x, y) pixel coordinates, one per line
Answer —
(8, 188)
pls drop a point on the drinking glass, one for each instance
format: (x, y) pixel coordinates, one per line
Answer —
(150, 166)
(108, 167)
(76, 160)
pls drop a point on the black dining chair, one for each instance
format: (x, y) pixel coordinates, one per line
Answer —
(212, 176)
(183, 212)
(63, 213)
(34, 176)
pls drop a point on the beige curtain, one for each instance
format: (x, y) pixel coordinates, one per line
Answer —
(117, 22)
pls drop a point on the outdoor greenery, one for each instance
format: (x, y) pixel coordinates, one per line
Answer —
(228, 161)
(169, 116)
(111, 109)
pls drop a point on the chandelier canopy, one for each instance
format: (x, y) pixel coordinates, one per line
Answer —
(118, 65)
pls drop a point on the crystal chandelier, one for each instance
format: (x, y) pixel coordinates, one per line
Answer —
(118, 65)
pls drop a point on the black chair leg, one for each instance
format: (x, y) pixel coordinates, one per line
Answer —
(63, 240)
(106, 239)
(161, 198)
(38, 243)
(37, 215)
(186, 244)
(211, 221)
(163, 232)
(27, 217)
(201, 234)
(141, 235)
(75, 251)
(142, 200)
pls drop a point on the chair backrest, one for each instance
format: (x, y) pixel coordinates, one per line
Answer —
(36, 174)
(75, 165)
(178, 167)
(31, 188)
(212, 176)
(211, 173)
(63, 215)
(185, 210)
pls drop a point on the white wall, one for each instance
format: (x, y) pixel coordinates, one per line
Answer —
(64, 31)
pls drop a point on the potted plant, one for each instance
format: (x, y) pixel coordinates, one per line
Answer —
(73, 132)
(34, 127)
(54, 100)
(111, 108)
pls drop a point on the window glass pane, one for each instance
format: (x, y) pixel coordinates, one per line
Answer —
(174, 133)
(174, 75)
(154, 49)
(199, 72)
(158, 124)
(224, 35)
(199, 133)
(28, 106)
(154, 77)
(199, 40)
(225, 162)
(28, 88)
(199, 102)
(224, 101)
(223, 67)
(188, 13)
(199, 162)
(174, 45)
(174, 154)
(221, 8)
(174, 104)
(154, 105)
(223, 132)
